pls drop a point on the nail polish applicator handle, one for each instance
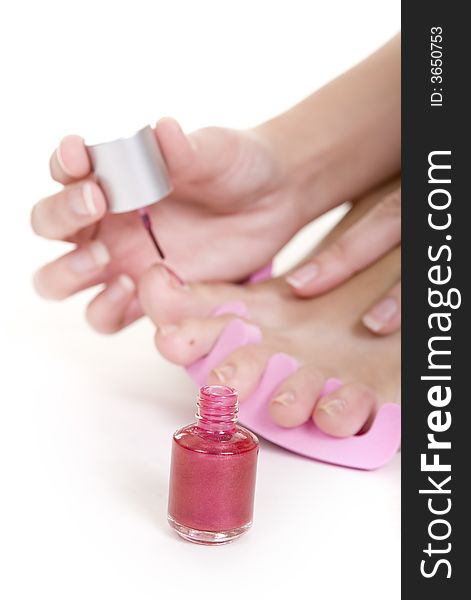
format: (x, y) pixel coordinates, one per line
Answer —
(132, 173)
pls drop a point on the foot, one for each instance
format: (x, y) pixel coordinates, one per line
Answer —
(324, 334)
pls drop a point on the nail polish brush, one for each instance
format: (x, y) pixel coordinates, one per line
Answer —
(133, 175)
(145, 218)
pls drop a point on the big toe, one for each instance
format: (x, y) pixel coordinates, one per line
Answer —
(166, 299)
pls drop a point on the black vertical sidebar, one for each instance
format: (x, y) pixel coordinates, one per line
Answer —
(436, 222)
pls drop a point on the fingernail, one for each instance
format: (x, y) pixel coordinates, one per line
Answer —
(92, 257)
(81, 200)
(120, 289)
(284, 399)
(224, 373)
(303, 276)
(380, 314)
(332, 407)
(173, 279)
(60, 160)
(167, 329)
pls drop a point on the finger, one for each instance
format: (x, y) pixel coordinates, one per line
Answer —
(107, 312)
(204, 154)
(63, 214)
(385, 316)
(177, 148)
(73, 272)
(133, 312)
(362, 244)
(70, 160)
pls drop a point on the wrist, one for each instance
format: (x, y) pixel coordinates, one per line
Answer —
(306, 159)
(345, 138)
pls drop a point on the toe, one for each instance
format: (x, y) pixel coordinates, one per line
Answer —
(190, 339)
(166, 299)
(345, 411)
(242, 369)
(293, 401)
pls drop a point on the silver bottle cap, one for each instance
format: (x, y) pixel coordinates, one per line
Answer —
(131, 171)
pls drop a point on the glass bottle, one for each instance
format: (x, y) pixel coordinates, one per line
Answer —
(213, 469)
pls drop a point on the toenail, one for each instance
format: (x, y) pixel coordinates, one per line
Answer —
(332, 407)
(172, 278)
(303, 276)
(284, 399)
(224, 373)
(167, 329)
(380, 314)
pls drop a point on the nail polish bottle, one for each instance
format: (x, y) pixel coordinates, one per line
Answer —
(212, 476)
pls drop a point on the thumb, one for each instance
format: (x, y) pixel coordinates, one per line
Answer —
(176, 147)
(201, 155)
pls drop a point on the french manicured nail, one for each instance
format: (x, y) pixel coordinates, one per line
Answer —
(225, 373)
(94, 256)
(60, 160)
(303, 276)
(284, 399)
(380, 314)
(81, 200)
(332, 407)
(167, 329)
(121, 288)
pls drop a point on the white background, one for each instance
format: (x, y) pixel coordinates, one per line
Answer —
(86, 421)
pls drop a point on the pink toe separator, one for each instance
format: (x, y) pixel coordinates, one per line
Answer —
(370, 450)
(261, 275)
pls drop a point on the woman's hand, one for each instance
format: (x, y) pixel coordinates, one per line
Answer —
(239, 195)
(372, 236)
(232, 209)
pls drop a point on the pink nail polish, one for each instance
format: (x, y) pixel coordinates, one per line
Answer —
(212, 476)
(174, 278)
